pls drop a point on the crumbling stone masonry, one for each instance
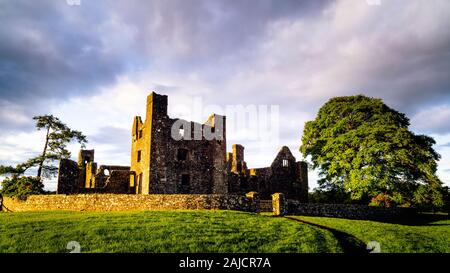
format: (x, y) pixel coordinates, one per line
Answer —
(279, 205)
(283, 206)
(132, 202)
(68, 177)
(285, 175)
(189, 164)
(174, 156)
(85, 177)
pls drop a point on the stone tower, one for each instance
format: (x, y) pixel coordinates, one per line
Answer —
(238, 165)
(194, 161)
(85, 159)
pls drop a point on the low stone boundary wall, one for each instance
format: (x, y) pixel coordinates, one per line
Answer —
(250, 202)
(347, 211)
(281, 206)
(130, 202)
(265, 205)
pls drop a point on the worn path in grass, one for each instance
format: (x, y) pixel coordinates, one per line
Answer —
(425, 234)
(348, 242)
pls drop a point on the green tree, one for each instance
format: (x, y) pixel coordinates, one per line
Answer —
(329, 194)
(364, 147)
(57, 136)
(22, 186)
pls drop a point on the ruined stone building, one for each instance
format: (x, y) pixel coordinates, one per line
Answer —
(285, 175)
(176, 156)
(187, 164)
(84, 176)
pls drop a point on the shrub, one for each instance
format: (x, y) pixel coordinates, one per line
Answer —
(381, 200)
(21, 186)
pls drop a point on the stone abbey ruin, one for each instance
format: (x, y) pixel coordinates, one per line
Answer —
(165, 160)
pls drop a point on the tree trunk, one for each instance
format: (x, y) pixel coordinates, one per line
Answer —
(41, 163)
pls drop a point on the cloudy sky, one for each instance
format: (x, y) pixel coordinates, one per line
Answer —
(93, 64)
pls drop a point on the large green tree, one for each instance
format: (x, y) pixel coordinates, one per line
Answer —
(364, 147)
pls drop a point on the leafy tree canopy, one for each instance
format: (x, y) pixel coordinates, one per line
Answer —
(57, 136)
(22, 186)
(364, 147)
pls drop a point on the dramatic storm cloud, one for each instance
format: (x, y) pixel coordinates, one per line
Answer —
(93, 64)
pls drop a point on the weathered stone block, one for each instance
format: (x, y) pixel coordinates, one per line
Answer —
(279, 204)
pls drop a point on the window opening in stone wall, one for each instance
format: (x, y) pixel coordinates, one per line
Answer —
(139, 183)
(139, 156)
(87, 159)
(182, 154)
(185, 179)
(285, 163)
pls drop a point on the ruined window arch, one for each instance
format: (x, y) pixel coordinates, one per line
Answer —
(285, 163)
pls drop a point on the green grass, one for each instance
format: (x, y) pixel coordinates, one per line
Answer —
(214, 231)
(160, 231)
(427, 234)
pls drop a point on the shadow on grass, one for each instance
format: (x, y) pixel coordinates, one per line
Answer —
(348, 242)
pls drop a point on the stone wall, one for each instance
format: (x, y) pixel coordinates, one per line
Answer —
(68, 177)
(279, 204)
(84, 176)
(250, 202)
(265, 205)
(118, 181)
(131, 202)
(187, 163)
(348, 211)
(285, 175)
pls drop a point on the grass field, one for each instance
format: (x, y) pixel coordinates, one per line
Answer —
(427, 234)
(212, 231)
(160, 231)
